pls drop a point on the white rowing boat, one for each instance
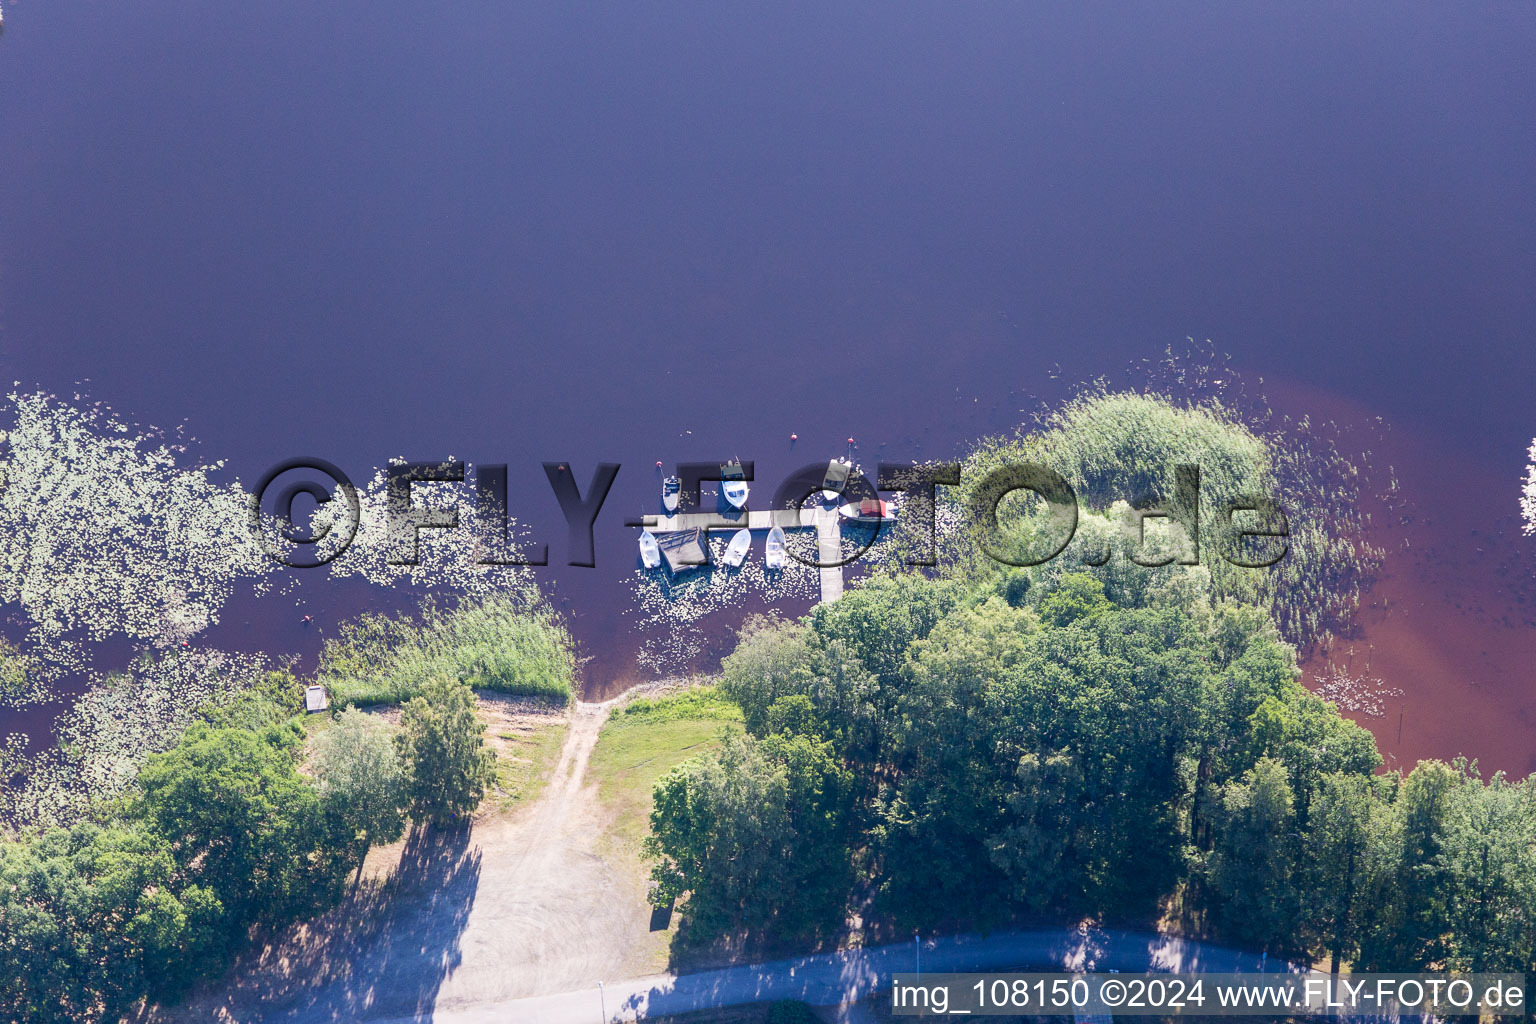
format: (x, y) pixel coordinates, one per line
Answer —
(650, 552)
(774, 556)
(835, 480)
(736, 551)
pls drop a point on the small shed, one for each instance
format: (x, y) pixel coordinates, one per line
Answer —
(682, 550)
(315, 699)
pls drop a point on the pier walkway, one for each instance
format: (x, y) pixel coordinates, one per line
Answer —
(824, 519)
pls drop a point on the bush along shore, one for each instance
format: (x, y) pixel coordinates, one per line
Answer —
(251, 815)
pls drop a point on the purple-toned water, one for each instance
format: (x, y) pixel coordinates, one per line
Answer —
(616, 232)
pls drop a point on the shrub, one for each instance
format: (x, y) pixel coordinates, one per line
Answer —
(443, 744)
(362, 779)
(699, 702)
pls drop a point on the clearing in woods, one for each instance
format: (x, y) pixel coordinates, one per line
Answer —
(547, 898)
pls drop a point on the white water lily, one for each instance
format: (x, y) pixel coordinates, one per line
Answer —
(447, 558)
(109, 531)
(1528, 498)
(120, 720)
(103, 533)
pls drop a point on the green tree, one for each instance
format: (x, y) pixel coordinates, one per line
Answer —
(1065, 748)
(1077, 596)
(362, 780)
(1312, 740)
(773, 658)
(878, 621)
(1339, 858)
(92, 918)
(1487, 854)
(243, 822)
(1408, 930)
(754, 838)
(1252, 865)
(442, 743)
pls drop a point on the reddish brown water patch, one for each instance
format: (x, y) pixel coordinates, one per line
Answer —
(1451, 623)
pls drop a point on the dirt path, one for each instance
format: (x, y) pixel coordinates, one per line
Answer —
(550, 912)
(515, 906)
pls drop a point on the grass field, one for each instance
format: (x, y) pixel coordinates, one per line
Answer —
(643, 741)
(527, 745)
(525, 734)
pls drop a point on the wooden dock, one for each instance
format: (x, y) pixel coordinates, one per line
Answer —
(822, 518)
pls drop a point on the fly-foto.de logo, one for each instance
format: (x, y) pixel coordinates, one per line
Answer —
(1019, 514)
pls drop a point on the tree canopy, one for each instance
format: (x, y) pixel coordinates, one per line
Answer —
(444, 744)
(980, 750)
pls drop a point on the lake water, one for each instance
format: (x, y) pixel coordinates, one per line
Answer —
(682, 232)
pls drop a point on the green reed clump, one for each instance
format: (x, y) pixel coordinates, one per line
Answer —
(1119, 446)
(19, 682)
(507, 643)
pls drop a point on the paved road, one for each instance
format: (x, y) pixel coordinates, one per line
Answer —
(833, 978)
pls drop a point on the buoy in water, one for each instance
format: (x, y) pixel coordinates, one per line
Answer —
(794, 437)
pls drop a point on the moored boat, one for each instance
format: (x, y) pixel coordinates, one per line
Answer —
(650, 552)
(867, 510)
(670, 491)
(835, 480)
(773, 556)
(733, 482)
(736, 551)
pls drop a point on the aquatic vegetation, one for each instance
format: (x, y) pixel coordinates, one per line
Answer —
(103, 532)
(507, 643)
(671, 610)
(121, 720)
(1118, 445)
(109, 529)
(21, 681)
(1357, 693)
(447, 557)
(1528, 496)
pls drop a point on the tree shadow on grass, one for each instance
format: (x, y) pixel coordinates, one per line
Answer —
(383, 953)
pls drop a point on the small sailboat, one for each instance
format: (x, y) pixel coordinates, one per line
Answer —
(773, 557)
(650, 552)
(733, 482)
(736, 551)
(670, 491)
